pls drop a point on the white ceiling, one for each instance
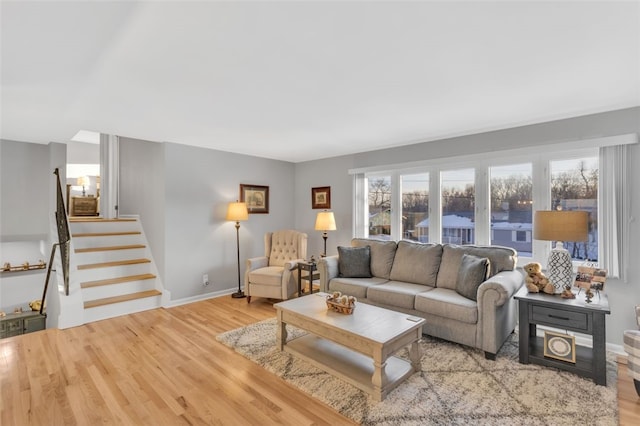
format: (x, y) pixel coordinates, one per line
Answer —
(302, 80)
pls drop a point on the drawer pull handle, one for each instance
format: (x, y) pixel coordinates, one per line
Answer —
(557, 317)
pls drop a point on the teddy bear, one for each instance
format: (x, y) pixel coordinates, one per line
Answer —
(536, 281)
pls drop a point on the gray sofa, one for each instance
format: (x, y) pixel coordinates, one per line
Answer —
(427, 280)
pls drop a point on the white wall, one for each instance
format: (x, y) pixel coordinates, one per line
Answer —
(333, 171)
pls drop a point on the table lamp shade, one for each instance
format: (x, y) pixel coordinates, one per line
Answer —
(325, 221)
(559, 226)
(237, 211)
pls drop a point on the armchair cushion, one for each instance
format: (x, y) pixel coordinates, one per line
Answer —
(354, 262)
(269, 275)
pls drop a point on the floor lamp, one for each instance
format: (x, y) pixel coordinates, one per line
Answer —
(236, 212)
(325, 222)
(559, 226)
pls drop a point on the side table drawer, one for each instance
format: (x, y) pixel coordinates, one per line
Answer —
(559, 318)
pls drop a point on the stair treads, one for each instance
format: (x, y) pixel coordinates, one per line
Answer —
(98, 219)
(104, 234)
(114, 263)
(122, 298)
(97, 283)
(96, 249)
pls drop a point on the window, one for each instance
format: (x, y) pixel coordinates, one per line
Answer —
(485, 203)
(415, 207)
(574, 186)
(458, 206)
(379, 196)
(512, 207)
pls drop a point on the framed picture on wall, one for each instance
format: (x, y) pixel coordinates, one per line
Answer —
(321, 197)
(256, 197)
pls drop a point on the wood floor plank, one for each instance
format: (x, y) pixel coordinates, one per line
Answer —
(164, 366)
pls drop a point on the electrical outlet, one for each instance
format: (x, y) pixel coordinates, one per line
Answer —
(205, 279)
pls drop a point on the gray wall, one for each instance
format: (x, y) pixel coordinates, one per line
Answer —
(141, 192)
(25, 179)
(333, 171)
(181, 194)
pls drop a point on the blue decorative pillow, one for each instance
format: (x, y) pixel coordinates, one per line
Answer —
(354, 262)
(473, 272)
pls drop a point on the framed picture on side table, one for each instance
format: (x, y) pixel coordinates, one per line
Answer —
(321, 197)
(256, 197)
(560, 346)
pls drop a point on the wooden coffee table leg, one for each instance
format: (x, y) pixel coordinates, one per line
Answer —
(414, 356)
(281, 332)
(379, 379)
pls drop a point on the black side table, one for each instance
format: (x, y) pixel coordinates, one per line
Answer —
(312, 274)
(567, 314)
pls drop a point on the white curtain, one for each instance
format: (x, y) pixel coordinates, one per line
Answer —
(614, 213)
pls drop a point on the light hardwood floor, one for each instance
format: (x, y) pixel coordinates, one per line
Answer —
(164, 367)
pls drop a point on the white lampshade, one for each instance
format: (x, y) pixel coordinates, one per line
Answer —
(325, 221)
(237, 211)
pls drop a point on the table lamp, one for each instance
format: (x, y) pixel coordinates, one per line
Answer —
(83, 181)
(237, 212)
(559, 226)
(325, 222)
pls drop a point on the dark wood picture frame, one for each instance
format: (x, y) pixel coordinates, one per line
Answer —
(321, 197)
(256, 197)
(560, 346)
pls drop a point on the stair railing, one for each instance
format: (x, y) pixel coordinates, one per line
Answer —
(63, 241)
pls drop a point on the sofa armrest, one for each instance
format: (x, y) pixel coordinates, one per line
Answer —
(328, 269)
(500, 288)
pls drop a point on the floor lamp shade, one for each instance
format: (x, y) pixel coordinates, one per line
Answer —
(237, 212)
(560, 226)
(325, 221)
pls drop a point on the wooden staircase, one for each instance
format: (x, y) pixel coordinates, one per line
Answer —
(114, 267)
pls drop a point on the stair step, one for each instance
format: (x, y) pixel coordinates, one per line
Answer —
(97, 219)
(89, 284)
(115, 263)
(122, 298)
(111, 248)
(104, 234)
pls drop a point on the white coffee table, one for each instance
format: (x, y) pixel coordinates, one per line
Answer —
(357, 348)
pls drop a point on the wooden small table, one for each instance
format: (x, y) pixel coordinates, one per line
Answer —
(357, 348)
(312, 274)
(567, 314)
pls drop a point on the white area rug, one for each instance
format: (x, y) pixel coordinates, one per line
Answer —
(457, 386)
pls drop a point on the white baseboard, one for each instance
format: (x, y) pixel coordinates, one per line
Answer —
(199, 298)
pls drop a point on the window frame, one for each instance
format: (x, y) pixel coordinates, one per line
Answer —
(540, 160)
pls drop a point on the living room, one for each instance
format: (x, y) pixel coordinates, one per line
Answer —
(181, 192)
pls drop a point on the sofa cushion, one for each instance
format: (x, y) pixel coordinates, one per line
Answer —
(354, 286)
(416, 263)
(501, 259)
(395, 293)
(447, 303)
(382, 254)
(474, 271)
(353, 262)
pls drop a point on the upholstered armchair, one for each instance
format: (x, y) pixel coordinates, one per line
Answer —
(274, 274)
(632, 347)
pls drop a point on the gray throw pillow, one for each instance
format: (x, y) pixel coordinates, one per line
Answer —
(473, 272)
(354, 262)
